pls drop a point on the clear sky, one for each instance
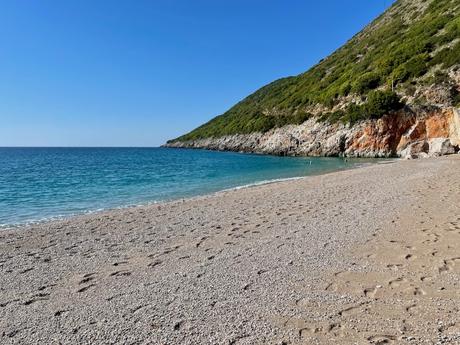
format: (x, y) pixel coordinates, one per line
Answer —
(139, 72)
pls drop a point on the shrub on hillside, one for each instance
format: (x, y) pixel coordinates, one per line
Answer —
(300, 117)
(415, 67)
(380, 103)
(354, 113)
(366, 82)
(447, 56)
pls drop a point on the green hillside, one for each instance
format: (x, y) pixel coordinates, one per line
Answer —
(415, 42)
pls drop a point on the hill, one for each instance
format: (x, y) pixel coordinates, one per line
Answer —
(407, 60)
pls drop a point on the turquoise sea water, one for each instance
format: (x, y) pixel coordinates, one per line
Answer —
(42, 183)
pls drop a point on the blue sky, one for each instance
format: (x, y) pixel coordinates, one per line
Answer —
(136, 73)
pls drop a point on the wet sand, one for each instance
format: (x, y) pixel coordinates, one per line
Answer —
(366, 256)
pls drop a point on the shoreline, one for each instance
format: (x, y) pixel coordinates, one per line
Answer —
(361, 256)
(45, 220)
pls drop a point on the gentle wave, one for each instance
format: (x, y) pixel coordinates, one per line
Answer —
(261, 183)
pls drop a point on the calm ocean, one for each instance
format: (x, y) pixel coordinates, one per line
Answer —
(43, 183)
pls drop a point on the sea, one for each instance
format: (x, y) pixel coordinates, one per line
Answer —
(38, 184)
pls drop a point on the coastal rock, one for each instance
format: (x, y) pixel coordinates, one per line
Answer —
(440, 147)
(409, 133)
(418, 149)
(454, 129)
(416, 131)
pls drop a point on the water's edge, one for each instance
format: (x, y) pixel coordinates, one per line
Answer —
(51, 219)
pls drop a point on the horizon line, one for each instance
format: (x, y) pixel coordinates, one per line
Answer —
(78, 147)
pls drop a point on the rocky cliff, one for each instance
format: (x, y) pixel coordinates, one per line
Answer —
(408, 133)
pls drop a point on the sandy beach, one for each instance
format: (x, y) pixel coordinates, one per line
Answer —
(365, 256)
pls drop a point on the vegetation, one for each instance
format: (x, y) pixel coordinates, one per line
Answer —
(378, 104)
(394, 52)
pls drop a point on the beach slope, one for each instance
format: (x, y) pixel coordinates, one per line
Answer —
(365, 256)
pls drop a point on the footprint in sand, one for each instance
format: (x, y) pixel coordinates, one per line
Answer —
(452, 328)
(41, 296)
(357, 309)
(83, 289)
(334, 329)
(395, 283)
(331, 287)
(371, 292)
(87, 278)
(394, 266)
(448, 265)
(123, 273)
(444, 267)
(415, 291)
(155, 263)
(382, 339)
(410, 257)
(410, 308)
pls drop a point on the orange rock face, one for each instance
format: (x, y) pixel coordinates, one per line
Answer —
(382, 136)
(392, 133)
(437, 125)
